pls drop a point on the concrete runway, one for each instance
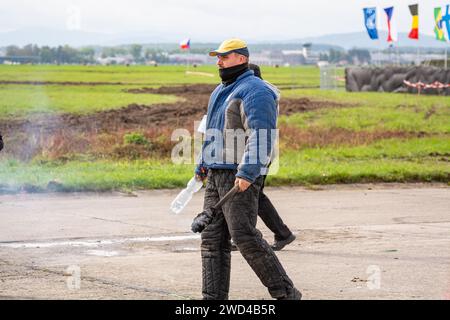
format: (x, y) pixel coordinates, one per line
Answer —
(353, 242)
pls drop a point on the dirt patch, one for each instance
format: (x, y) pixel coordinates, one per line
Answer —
(42, 134)
(288, 106)
(65, 83)
(313, 137)
(180, 114)
(178, 90)
(291, 106)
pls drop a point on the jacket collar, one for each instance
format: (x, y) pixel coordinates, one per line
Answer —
(238, 79)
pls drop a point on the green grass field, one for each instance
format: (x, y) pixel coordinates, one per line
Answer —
(419, 150)
(22, 100)
(149, 75)
(391, 160)
(372, 111)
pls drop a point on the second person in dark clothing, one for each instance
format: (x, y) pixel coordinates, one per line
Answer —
(266, 211)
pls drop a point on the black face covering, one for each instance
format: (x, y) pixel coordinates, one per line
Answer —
(229, 75)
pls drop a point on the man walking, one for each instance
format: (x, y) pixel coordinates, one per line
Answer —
(242, 102)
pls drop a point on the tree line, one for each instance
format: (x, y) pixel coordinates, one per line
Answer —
(69, 55)
(87, 55)
(46, 54)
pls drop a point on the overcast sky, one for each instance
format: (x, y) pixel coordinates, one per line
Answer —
(204, 20)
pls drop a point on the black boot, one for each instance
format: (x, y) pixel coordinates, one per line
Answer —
(280, 244)
(292, 294)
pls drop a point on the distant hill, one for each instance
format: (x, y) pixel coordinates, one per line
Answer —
(75, 38)
(51, 37)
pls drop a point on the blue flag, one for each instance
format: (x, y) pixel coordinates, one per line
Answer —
(446, 20)
(370, 18)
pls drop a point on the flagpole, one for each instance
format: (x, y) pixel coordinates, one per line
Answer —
(446, 58)
(398, 55)
(418, 56)
(185, 47)
(391, 54)
(187, 60)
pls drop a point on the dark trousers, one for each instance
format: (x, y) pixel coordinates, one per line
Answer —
(236, 220)
(270, 216)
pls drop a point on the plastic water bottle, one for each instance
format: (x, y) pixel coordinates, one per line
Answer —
(185, 195)
(202, 126)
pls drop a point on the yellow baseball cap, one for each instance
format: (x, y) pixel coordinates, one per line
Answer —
(231, 45)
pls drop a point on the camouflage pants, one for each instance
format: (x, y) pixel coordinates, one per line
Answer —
(236, 220)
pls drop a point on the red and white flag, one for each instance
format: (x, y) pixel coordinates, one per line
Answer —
(185, 44)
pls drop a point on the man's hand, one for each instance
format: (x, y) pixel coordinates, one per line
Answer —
(243, 184)
(201, 173)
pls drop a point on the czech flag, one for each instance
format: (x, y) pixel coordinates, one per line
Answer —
(389, 11)
(185, 44)
(414, 9)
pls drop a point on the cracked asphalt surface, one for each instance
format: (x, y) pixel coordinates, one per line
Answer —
(387, 241)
